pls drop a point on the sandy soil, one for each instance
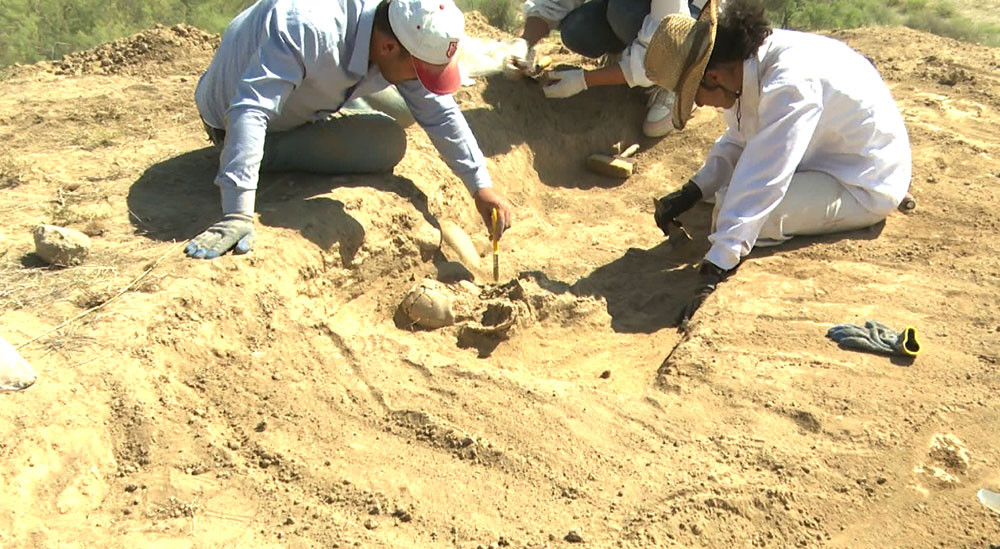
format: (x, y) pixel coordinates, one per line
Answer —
(276, 400)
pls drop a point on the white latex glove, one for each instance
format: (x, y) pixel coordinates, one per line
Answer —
(520, 61)
(565, 83)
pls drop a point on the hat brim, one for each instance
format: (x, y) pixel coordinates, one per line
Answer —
(439, 79)
(690, 81)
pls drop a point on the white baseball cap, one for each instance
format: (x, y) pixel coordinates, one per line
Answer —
(430, 30)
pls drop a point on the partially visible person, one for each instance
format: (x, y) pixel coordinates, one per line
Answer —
(618, 29)
(304, 85)
(815, 143)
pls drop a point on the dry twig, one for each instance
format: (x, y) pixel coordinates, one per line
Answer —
(102, 305)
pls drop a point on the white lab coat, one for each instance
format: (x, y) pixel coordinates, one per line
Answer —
(633, 61)
(809, 103)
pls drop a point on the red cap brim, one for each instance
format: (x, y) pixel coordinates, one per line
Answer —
(439, 79)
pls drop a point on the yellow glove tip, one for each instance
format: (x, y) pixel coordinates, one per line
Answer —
(911, 344)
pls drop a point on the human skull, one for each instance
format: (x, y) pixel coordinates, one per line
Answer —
(428, 304)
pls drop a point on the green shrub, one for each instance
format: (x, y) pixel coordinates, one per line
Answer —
(49, 29)
(946, 10)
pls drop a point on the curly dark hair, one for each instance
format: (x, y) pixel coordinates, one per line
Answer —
(743, 27)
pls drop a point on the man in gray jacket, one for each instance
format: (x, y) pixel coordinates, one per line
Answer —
(286, 92)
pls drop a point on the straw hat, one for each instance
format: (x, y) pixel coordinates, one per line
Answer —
(678, 54)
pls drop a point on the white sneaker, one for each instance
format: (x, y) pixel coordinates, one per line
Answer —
(660, 116)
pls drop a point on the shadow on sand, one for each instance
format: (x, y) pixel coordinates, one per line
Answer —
(646, 290)
(176, 200)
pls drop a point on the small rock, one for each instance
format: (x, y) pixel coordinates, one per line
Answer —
(289, 521)
(402, 515)
(605, 374)
(460, 243)
(131, 488)
(15, 372)
(574, 537)
(371, 524)
(428, 238)
(261, 427)
(61, 246)
(696, 529)
(469, 286)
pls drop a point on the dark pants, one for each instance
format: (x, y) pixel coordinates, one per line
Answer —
(366, 136)
(600, 27)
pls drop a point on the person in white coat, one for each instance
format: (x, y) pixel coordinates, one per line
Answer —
(597, 28)
(815, 143)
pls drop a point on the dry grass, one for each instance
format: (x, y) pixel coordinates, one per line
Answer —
(24, 285)
(67, 341)
(73, 205)
(96, 138)
(12, 172)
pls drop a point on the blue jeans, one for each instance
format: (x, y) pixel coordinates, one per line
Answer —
(601, 27)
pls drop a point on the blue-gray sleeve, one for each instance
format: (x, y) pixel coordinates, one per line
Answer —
(441, 118)
(278, 67)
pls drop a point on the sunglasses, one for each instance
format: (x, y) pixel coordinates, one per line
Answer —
(710, 86)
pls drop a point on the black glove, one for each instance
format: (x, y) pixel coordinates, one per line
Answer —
(674, 204)
(709, 276)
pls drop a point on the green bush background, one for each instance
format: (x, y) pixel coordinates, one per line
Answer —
(32, 30)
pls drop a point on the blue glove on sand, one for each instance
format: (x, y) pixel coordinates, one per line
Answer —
(876, 337)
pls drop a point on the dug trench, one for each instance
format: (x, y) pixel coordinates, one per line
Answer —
(276, 400)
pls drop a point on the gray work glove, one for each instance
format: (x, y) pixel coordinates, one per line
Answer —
(233, 232)
(876, 337)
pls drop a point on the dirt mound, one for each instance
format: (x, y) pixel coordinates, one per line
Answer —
(275, 399)
(139, 53)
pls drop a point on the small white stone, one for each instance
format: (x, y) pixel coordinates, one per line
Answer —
(469, 286)
(15, 372)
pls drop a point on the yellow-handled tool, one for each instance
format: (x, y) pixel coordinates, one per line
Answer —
(496, 249)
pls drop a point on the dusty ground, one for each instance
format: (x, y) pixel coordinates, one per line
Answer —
(272, 400)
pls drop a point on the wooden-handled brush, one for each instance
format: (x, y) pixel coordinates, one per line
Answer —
(496, 249)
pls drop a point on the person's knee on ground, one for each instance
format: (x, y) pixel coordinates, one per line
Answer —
(815, 203)
(365, 142)
(387, 101)
(625, 17)
(586, 31)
